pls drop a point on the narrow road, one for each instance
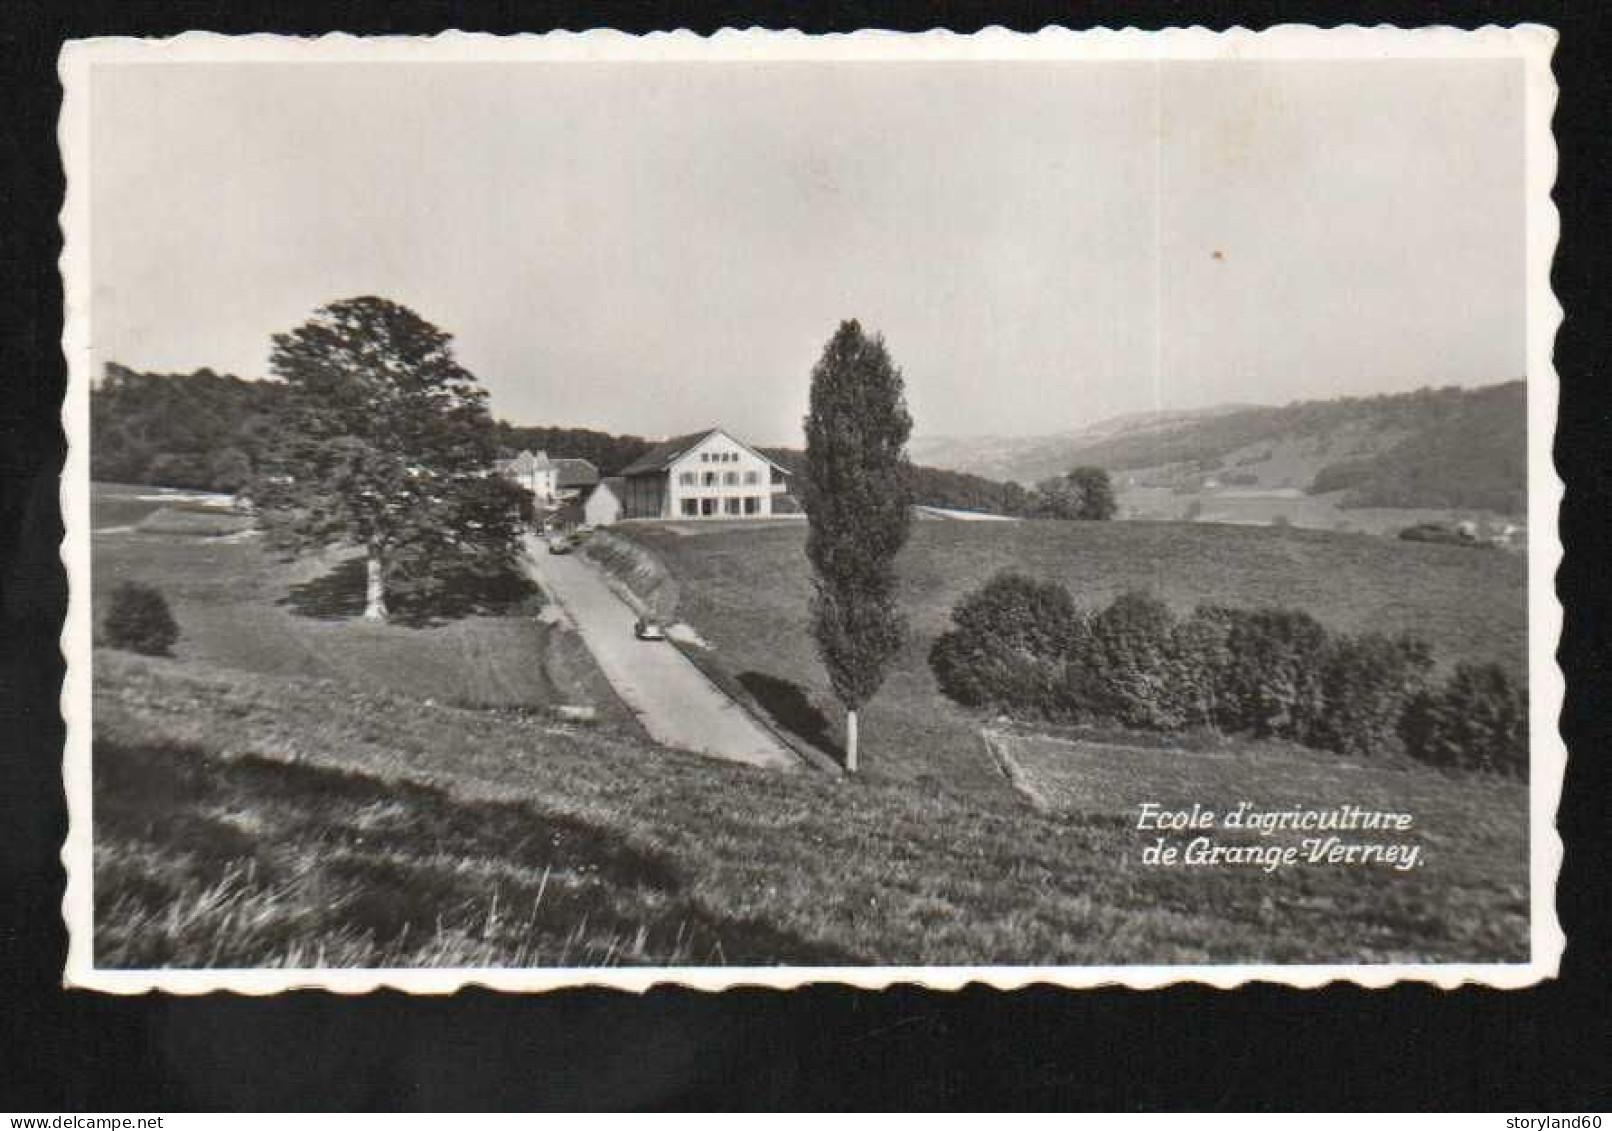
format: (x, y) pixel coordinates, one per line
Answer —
(677, 704)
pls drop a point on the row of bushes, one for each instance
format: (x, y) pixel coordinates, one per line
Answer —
(1024, 647)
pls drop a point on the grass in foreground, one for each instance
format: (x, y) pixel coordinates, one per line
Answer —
(1472, 829)
(247, 819)
(746, 592)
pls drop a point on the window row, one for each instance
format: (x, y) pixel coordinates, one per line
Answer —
(717, 478)
(710, 508)
(719, 457)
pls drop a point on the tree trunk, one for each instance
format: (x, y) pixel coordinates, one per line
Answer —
(850, 742)
(375, 587)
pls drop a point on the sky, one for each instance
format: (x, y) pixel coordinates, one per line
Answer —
(659, 247)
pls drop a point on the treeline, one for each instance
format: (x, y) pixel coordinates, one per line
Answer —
(1025, 648)
(201, 430)
(208, 431)
(609, 453)
(938, 487)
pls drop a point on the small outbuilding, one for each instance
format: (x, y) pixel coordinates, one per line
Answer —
(603, 504)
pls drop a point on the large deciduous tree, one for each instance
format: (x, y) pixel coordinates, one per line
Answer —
(856, 490)
(384, 442)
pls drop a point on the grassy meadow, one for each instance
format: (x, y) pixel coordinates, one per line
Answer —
(745, 591)
(295, 787)
(1472, 883)
(252, 820)
(241, 607)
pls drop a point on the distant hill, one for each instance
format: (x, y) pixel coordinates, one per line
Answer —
(1450, 447)
(1029, 459)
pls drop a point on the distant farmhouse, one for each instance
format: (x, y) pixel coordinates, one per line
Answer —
(702, 475)
(574, 478)
(550, 481)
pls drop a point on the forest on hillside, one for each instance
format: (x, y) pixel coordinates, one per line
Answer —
(203, 430)
(1214, 437)
(1448, 447)
(608, 452)
(1473, 453)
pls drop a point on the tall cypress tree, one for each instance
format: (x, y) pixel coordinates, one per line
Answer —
(857, 494)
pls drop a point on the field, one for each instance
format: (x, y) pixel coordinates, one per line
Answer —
(298, 788)
(746, 593)
(1263, 506)
(1471, 830)
(251, 820)
(242, 608)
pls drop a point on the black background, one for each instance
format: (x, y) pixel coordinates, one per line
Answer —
(1545, 1049)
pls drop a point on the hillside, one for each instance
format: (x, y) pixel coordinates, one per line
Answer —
(297, 788)
(1029, 459)
(747, 592)
(1433, 448)
(201, 430)
(606, 451)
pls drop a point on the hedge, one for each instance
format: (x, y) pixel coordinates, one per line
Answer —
(1022, 646)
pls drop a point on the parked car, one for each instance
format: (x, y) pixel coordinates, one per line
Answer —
(559, 545)
(648, 628)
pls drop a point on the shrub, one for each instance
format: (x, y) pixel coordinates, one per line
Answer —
(1369, 681)
(1438, 532)
(1477, 720)
(1130, 657)
(1008, 646)
(138, 620)
(1202, 657)
(1272, 684)
(1023, 646)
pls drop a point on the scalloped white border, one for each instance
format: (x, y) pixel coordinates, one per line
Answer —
(1530, 44)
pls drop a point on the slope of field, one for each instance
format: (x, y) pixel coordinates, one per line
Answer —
(240, 606)
(746, 592)
(306, 790)
(245, 819)
(1470, 834)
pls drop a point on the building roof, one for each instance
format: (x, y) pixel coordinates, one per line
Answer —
(668, 452)
(664, 454)
(574, 473)
(615, 484)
